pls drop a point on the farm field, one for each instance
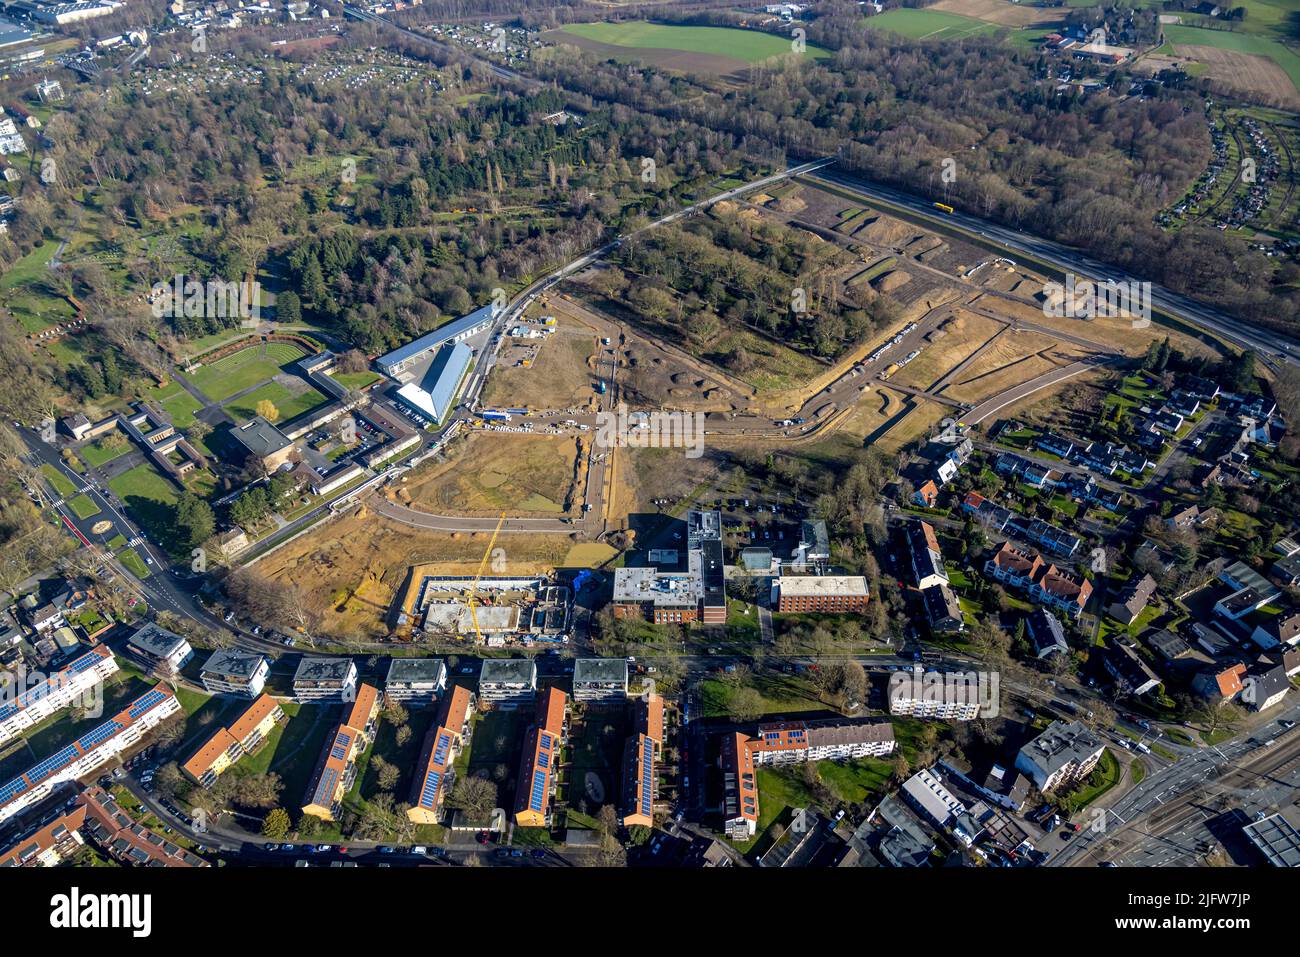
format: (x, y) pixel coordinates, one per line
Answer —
(244, 369)
(1232, 57)
(742, 46)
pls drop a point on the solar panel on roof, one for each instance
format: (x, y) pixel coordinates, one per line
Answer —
(51, 764)
(538, 797)
(11, 790)
(339, 751)
(542, 760)
(443, 746)
(647, 776)
(325, 789)
(430, 791)
(99, 735)
(145, 702)
(545, 741)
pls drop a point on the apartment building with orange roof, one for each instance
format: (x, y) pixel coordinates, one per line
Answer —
(1044, 583)
(536, 782)
(337, 768)
(227, 745)
(434, 771)
(739, 787)
(641, 753)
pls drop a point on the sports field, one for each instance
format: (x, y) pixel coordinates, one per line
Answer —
(748, 46)
(926, 24)
(244, 369)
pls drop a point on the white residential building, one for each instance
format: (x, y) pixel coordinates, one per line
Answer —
(161, 647)
(24, 708)
(325, 679)
(235, 671)
(1064, 753)
(415, 681)
(92, 750)
(507, 682)
(954, 696)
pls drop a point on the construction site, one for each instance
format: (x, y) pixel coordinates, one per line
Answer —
(493, 610)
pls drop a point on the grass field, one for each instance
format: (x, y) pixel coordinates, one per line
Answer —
(83, 507)
(244, 369)
(61, 484)
(178, 403)
(289, 403)
(97, 453)
(922, 24)
(749, 46)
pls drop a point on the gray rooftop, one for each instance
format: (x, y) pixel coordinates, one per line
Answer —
(155, 641)
(233, 663)
(260, 437)
(416, 670)
(1277, 838)
(322, 669)
(1061, 744)
(508, 670)
(599, 669)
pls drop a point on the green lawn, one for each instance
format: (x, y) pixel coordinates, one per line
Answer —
(355, 380)
(289, 404)
(97, 453)
(750, 46)
(923, 24)
(134, 563)
(83, 507)
(61, 484)
(244, 369)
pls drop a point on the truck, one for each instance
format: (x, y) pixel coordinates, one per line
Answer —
(601, 387)
(889, 370)
(494, 415)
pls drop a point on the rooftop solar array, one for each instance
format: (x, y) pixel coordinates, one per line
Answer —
(538, 797)
(145, 703)
(442, 749)
(647, 776)
(99, 735)
(11, 790)
(324, 793)
(430, 791)
(53, 763)
(339, 752)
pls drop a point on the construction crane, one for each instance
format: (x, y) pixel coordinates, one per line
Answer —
(473, 589)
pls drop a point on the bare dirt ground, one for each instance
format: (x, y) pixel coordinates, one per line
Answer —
(963, 334)
(1001, 12)
(561, 376)
(351, 569)
(1245, 71)
(493, 471)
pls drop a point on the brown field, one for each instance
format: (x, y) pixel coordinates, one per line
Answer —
(560, 378)
(1001, 12)
(351, 569)
(489, 472)
(1245, 71)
